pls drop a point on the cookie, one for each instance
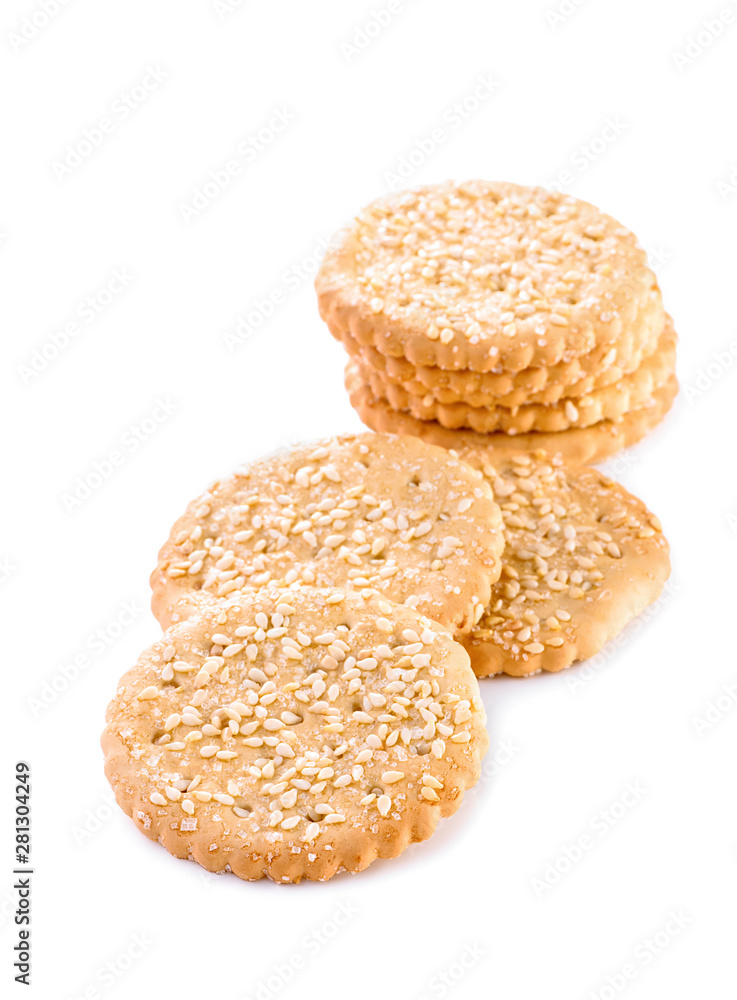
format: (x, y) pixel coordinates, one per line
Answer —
(479, 275)
(604, 366)
(583, 558)
(356, 511)
(295, 734)
(611, 402)
(586, 444)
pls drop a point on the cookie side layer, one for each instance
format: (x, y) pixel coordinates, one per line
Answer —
(611, 402)
(586, 445)
(605, 366)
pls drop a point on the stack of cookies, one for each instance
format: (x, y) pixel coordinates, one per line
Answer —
(492, 315)
(313, 703)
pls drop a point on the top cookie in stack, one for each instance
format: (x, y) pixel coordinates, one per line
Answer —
(489, 314)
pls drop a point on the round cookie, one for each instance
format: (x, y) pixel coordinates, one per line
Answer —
(356, 511)
(295, 734)
(602, 366)
(479, 275)
(581, 444)
(583, 558)
(611, 402)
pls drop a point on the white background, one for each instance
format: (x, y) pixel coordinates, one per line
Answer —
(573, 741)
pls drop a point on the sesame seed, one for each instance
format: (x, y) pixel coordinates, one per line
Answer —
(556, 549)
(534, 647)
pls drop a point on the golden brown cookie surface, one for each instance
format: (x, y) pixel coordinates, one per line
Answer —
(478, 275)
(583, 557)
(295, 734)
(357, 511)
